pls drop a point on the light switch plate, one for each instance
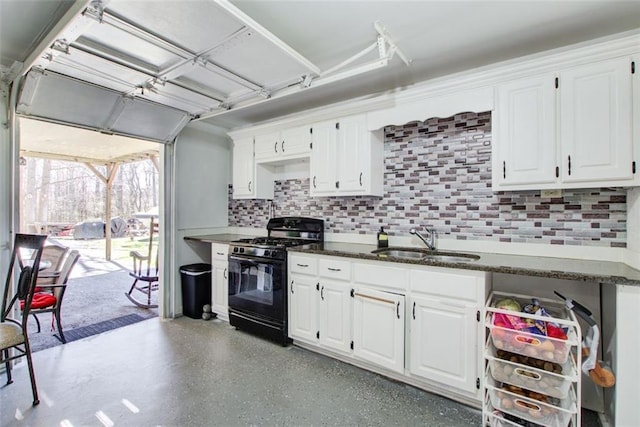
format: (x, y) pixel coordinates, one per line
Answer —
(551, 193)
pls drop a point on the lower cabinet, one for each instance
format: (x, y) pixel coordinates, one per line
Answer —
(419, 324)
(444, 341)
(335, 315)
(378, 328)
(303, 307)
(219, 280)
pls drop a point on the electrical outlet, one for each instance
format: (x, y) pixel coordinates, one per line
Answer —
(548, 194)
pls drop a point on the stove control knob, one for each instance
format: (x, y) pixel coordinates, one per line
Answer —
(235, 250)
(241, 250)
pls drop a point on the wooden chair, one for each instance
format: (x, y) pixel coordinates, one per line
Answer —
(48, 298)
(14, 340)
(145, 272)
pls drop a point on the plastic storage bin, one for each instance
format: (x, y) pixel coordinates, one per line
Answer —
(551, 412)
(196, 288)
(531, 377)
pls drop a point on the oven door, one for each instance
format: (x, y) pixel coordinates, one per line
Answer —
(257, 287)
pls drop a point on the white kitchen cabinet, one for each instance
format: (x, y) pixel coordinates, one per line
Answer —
(444, 341)
(287, 144)
(250, 181)
(525, 122)
(335, 315)
(378, 328)
(346, 158)
(595, 122)
(445, 308)
(303, 307)
(303, 297)
(569, 129)
(220, 280)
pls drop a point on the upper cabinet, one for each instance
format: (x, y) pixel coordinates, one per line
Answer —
(250, 181)
(570, 129)
(288, 144)
(346, 158)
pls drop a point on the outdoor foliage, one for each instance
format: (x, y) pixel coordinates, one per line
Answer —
(59, 192)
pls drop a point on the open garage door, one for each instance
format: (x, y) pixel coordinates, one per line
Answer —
(54, 97)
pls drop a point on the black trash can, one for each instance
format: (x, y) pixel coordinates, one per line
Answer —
(196, 288)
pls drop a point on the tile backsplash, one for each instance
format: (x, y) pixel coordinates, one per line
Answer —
(438, 175)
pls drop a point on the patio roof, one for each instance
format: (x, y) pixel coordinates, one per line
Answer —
(49, 140)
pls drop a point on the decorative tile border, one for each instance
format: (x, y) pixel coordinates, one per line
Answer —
(438, 175)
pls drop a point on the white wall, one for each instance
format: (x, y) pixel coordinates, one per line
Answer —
(202, 167)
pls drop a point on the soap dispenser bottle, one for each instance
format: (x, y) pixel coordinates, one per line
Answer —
(383, 238)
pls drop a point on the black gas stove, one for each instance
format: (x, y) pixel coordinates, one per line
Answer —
(283, 233)
(258, 275)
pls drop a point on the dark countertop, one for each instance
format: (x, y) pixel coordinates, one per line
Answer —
(608, 272)
(219, 238)
(557, 268)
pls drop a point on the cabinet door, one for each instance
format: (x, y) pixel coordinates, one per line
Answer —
(335, 315)
(296, 142)
(323, 158)
(352, 154)
(243, 168)
(378, 328)
(220, 289)
(267, 146)
(303, 303)
(444, 341)
(595, 122)
(525, 122)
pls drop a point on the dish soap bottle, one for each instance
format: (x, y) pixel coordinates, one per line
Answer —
(383, 239)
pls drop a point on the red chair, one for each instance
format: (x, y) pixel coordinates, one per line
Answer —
(13, 328)
(49, 297)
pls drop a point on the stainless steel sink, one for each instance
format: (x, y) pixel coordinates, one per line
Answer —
(425, 254)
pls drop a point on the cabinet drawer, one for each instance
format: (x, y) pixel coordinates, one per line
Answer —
(303, 264)
(380, 275)
(220, 251)
(447, 283)
(335, 269)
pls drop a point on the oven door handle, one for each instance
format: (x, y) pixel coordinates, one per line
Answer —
(254, 261)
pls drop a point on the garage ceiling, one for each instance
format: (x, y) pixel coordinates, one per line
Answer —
(147, 68)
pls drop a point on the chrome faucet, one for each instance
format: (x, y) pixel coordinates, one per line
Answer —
(430, 241)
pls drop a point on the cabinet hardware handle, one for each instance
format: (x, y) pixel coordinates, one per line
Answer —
(282, 146)
(275, 146)
(219, 253)
(314, 181)
(569, 164)
(414, 310)
(333, 269)
(504, 170)
(337, 184)
(322, 293)
(360, 179)
(388, 301)
(557, 171)
(302, 265)
(291, 286)
(224, 273)
(249, 186)
(398, 309)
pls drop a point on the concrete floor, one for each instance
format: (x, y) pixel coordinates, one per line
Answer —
(189, 372)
